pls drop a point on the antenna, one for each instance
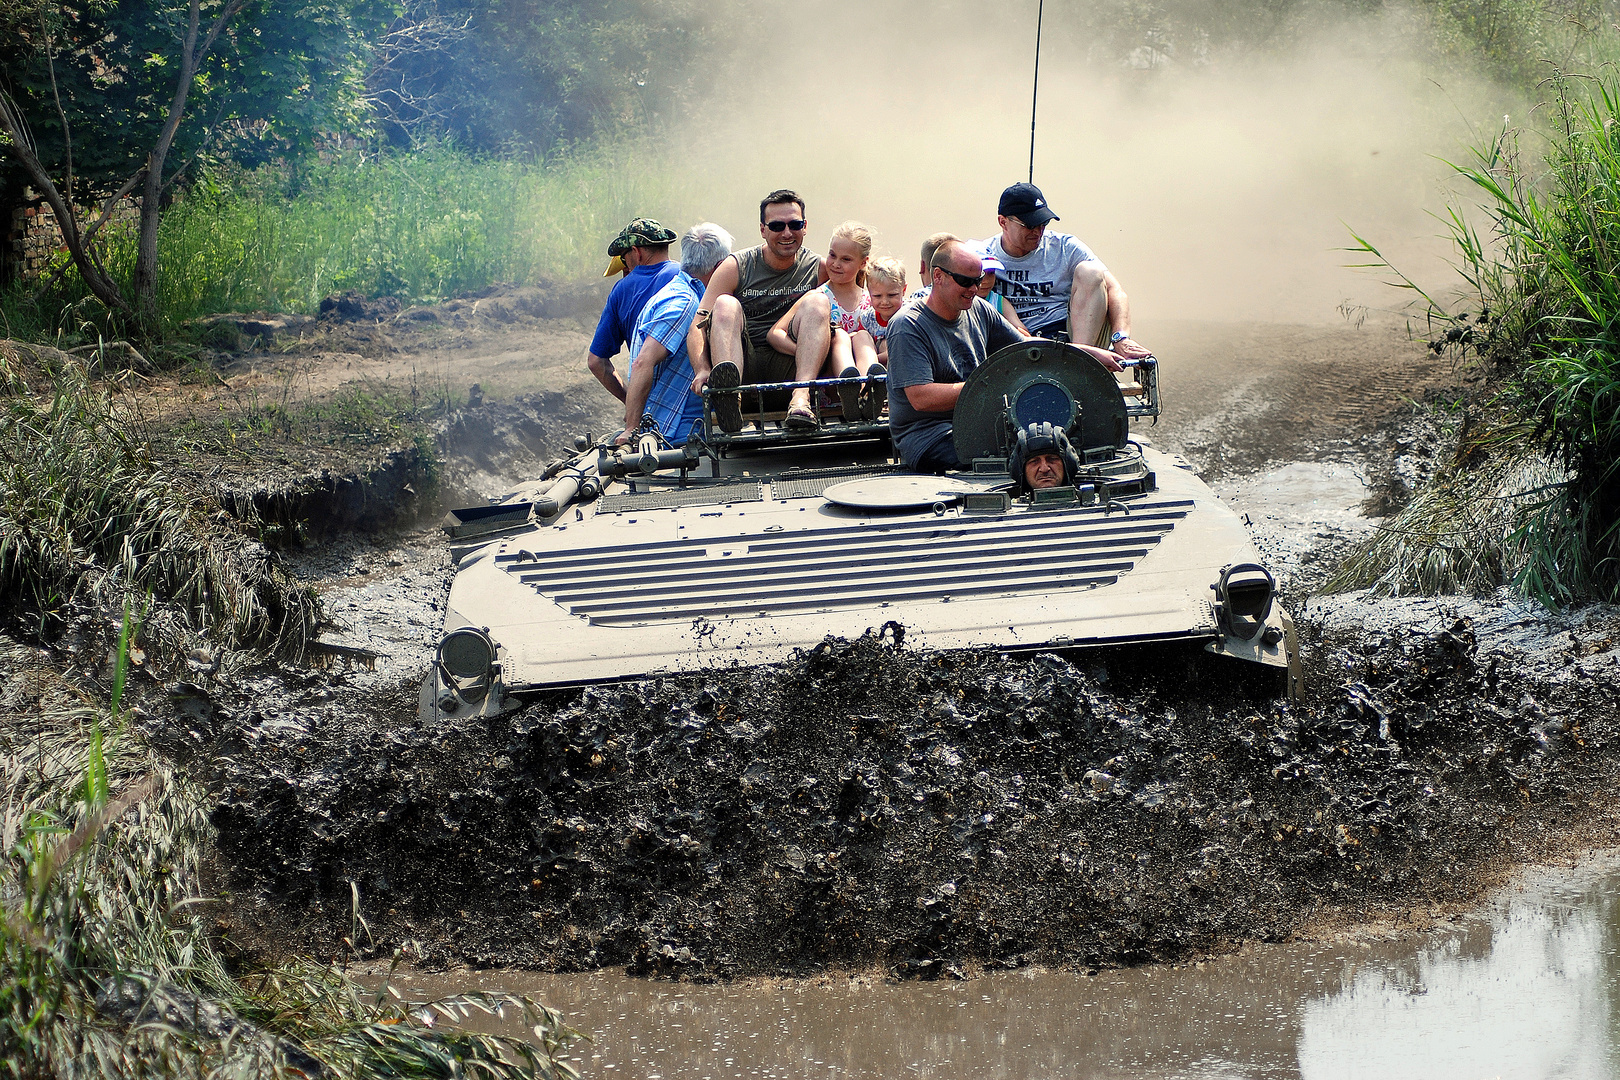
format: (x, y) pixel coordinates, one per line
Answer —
(1035, 94)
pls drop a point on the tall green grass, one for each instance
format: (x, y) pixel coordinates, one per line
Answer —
(1543, 273)
(419, 226)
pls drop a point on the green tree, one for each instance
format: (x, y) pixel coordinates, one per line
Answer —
(101, 98)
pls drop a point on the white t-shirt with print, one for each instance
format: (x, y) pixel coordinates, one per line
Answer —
(1038, 285)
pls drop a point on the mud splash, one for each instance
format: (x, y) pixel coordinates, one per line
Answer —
(866, 805)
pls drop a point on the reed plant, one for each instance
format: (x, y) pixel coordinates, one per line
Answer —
(106, 965)
(1542, 274)
(91, 522)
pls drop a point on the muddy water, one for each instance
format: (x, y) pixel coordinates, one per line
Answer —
(1526, 987)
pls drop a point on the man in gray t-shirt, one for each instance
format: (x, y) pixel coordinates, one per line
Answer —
(934, 344)
(1054, 282)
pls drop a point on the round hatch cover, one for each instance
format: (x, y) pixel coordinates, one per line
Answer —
(1041, 380)
(897, 492)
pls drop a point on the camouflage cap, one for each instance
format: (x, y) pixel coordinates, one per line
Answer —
(642, 232)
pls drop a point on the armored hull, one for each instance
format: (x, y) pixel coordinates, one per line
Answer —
(738, 554)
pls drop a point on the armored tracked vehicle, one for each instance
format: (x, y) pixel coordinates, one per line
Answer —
(738, 548)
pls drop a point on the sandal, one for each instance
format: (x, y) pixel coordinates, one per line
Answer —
(877, 393)
(727, 407)
(849, 395)
(802, 418)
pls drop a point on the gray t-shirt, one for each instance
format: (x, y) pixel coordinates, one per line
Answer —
(924, 348)
(1038, 285)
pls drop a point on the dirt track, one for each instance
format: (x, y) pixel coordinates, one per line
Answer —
(871, 806)
(864, 805)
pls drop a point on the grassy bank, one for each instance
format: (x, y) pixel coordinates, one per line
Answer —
(420, 226)
(93, 523)
(106, 963)
(1532, 496)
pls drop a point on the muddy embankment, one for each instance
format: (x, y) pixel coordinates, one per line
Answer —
(866, 804)
(458, 464)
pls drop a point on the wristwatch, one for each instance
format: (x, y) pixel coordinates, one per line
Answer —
(1117, 337)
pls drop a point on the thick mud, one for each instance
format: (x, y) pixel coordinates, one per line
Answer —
(867, 805)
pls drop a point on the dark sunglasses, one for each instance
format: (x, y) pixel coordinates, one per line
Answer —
(967, 281)
(797, 225)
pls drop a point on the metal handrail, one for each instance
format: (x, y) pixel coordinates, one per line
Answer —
(715, 436)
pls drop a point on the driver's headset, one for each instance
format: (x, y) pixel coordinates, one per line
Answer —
(1034, 439)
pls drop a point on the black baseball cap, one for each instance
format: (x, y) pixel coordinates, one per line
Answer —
(1026, 203)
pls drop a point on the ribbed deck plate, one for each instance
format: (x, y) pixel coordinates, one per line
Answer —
(811, 487)
(692, 496)
(825, 569)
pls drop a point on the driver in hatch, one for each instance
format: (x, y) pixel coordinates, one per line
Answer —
(1041, 458)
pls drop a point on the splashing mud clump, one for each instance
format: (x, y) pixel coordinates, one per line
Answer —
(871, 805)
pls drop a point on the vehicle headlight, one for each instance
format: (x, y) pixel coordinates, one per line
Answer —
(467, 653)
(1244, 595)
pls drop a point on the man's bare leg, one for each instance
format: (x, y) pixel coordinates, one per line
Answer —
(726, 329)
(1088, 306)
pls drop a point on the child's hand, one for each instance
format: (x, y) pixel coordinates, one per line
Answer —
(780, 336)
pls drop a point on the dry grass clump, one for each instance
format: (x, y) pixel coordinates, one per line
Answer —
(89, 521)
(106, 967)
(22, 362)
(1466, 531)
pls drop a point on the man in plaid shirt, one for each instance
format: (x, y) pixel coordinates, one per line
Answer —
(660, 382)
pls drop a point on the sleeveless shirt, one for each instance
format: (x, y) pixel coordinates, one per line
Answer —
(766, 294)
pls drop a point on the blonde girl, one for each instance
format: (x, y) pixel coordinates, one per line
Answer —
(853, 352)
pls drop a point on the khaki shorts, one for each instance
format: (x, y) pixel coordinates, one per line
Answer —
(761, 363)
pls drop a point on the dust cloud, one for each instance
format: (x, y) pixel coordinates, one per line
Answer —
(1217, 188)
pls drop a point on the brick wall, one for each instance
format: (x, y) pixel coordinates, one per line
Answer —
(33, 238)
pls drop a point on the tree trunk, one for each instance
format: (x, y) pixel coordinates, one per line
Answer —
(22, 148)
(146, 255)
(77, 238)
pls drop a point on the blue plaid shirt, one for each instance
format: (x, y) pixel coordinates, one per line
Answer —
(666, 319)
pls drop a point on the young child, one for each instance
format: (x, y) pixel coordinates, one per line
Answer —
(930, 245)
(987, 292)
(886, 285)
(847, 255)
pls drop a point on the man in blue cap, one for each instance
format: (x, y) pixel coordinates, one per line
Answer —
(641, 253)
(1054, 282)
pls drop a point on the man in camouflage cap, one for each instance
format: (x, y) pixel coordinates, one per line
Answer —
(641, 254)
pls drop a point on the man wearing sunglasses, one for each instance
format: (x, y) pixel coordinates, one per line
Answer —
(933, 347)
(1054, 282)
(749, 292)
